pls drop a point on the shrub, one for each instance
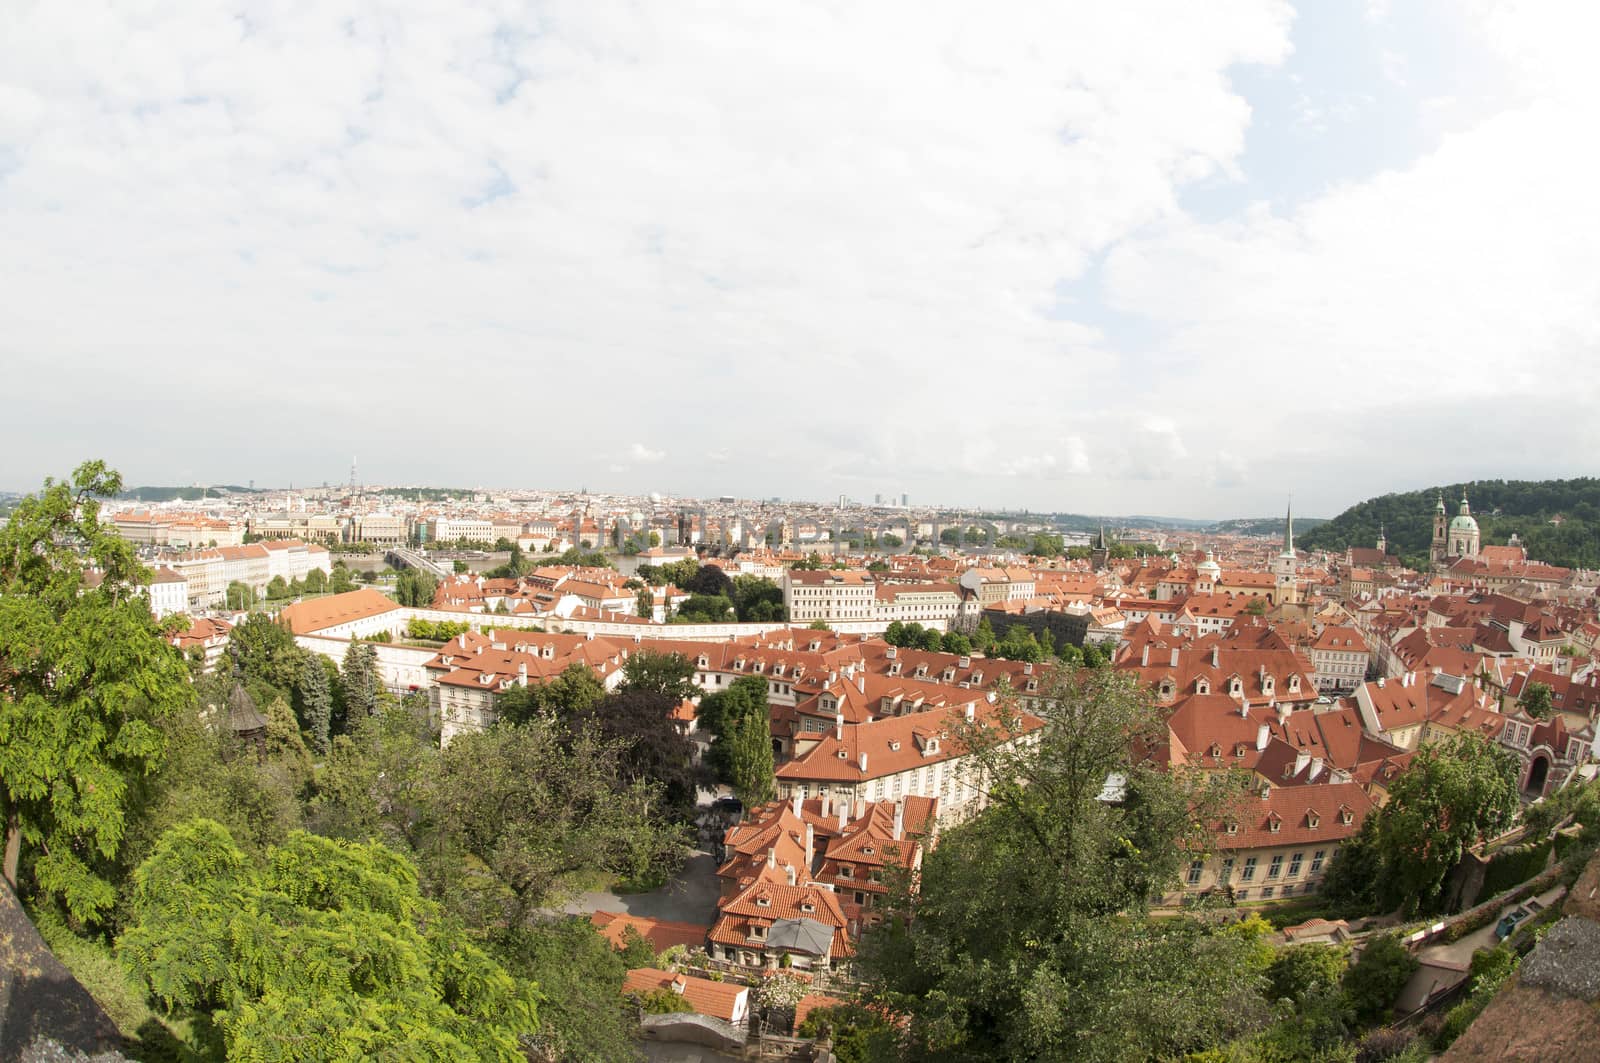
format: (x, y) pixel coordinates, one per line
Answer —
(1380, 1045)
(663, 1002)
(1375, 980)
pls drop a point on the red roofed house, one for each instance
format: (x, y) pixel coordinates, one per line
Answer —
(722, 1000)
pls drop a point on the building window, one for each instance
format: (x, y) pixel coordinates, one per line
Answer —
(1266, 892)
(1275, 868)
(1227, 870)
(1316, 860)
(1249, 872)
(1294, 866)
(1241, 895)
(1194, 872)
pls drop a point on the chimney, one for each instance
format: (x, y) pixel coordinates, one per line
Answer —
(1174, 657)
(844, 815)
(863, 763)
(861, 682)
(899, 819)
(1316, 769)
(811, 843)
(1216, 658)
(827, 805)
(838, 726)
(972, 711)
(522, 673)
(1301, 759)
(1262, 734)
(794, 803)
(860, 808)
(788, 873)
(1283, 712)
(772, 858)
(1144, 656)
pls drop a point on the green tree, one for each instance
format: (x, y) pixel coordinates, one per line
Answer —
(1374, 981)
(85, 680)
(635, 950)
(575, 690)
(645, 603)
(721, 713)
(359, 678)
(749, 759)
(535, 805)
(415, 588)
(582, 1015)
(268, 657)
(238, 596)
(1536, 701)
(340, 582)
(957, 643)
(316, 581)
(757, 599)
(316, 706)
(859, 1034)
(983, 638)
(1454, 795)
(277, 589)
(670, 675)
(459, 567)
(323, 950)
(705, 609)
(1027, 937)
(818, 625)
(1301, 972)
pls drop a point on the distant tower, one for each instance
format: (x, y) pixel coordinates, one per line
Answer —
(1383, 541)
(1285, 565)
(1436, 551)
(352, 476)
(1101, 553)
(1465, 538)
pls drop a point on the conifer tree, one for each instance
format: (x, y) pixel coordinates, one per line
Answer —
(316, 706)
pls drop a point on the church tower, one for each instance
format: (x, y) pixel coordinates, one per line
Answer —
(1284, 589)
(1383, 541)
(1436, 551)
(1465, 537)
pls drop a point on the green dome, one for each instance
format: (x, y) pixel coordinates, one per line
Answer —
(1464, 524)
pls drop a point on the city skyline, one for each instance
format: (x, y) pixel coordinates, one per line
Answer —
(1177, 262)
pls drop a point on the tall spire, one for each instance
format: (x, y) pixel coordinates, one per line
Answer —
(1288, 530)
(1466, 510)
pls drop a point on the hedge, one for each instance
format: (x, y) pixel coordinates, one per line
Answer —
(1514, 866)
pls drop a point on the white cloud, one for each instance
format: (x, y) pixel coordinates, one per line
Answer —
(641, 453)
(622, 213)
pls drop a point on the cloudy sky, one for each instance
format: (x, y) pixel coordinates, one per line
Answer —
(1178, 258)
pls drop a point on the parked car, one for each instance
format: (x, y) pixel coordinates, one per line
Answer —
(1509, 922)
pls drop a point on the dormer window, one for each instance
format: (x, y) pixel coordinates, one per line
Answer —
(1235, 687)
(894, 744)
(808, 907)
(1202, 686)
(764, 902)
(1274, 824)
(1346, 816)
(1233, 828)
(1313, 821)
(703, 661)
(1268, 685)
(1166, 687)
(1294, 684)
(846, 871)
(866, 850)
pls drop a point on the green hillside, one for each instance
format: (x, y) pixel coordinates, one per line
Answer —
(1502, 507)
(1271, 527)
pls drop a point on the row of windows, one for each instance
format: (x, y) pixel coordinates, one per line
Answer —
(1247, 872)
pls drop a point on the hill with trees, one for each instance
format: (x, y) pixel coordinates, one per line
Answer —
(1557, 520)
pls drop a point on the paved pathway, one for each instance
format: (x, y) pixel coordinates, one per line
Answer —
(690, 897)
(1461, 950)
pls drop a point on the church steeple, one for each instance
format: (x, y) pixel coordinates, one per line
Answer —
(1288, 531)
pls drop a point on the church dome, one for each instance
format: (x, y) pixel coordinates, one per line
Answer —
(1464, 523)
(1210, 568)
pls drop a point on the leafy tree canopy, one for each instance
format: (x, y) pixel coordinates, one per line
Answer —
(85, 681)
(322, 950)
